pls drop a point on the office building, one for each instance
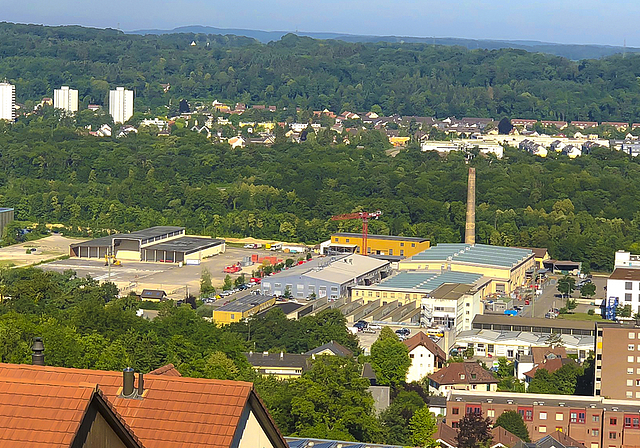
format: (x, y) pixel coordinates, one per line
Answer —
(617, 374)
(66, 99)
(403, 246)
(7, 102)
(121, 104)
(596, 422)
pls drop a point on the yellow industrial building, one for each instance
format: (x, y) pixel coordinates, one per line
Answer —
(506, 266)
(403, 246)
(242, 308)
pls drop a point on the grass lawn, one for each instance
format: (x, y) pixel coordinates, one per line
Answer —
(579, 316)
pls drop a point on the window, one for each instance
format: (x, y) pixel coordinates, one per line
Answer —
(542, 429)
(630, 358)
(233, 316)
(490, 348)
(559, 416)
(413, 244)
(612, 435)
(474, 409)
(390, 251)
(576, 416)
(629, 394)
(595, 432)
(631, 421)
(559, 428)
(630, 370)
(411, 355)
(402, 253)
(526, 413)
(613, 421)
(628, 286)
(543, 416)
(627, 297)
(491, 413)
(595, 418)
(632, 335)
(346, 240)
(629, 383)
(455, 411)
(473, 376)
(455, 424)
(631, 347)
(462, 376)
(401, 244)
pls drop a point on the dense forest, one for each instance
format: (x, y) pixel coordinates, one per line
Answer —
(409, 79)
(582, 209)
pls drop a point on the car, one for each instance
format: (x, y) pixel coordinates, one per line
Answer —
(517, 308)
(361, 324)
(527, 302)
(403, 332)
(368, 330)
(375, 326)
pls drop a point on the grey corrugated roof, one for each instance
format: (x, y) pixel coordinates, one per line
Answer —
(245, 303)
(186, 244)
(474, 253)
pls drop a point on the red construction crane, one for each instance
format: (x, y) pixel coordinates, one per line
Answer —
(364, 216)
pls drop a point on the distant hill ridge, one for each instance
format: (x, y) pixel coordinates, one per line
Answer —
(570, 51)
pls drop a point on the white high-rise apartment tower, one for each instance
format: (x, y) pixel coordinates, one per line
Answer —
(7, 101)
(121, 104)
(65, 98)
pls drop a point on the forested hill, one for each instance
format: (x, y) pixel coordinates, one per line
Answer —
(409, 79)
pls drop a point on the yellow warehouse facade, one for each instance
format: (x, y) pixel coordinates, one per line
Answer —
(403, 246)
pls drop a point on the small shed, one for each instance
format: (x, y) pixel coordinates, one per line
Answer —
(153, 295)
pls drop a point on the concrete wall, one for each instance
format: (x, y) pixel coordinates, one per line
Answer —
(209, 252)
(253, 436)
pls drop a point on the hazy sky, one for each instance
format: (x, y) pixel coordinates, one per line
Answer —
(564, 21)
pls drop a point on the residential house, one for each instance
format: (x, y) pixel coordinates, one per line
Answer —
(237, 142)
(281, 365)
(331, 348)
(584, 124)
(153, 295)
(558, 439)
(426, 356)
(462, 376)
(448, 437)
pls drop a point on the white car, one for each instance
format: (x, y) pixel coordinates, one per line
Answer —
(375, 327)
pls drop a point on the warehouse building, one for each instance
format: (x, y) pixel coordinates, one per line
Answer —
(330, 277)
(6, 216)
(403, 246)
(163, 244)
(506, 266)
(242, 308)
(449, 299)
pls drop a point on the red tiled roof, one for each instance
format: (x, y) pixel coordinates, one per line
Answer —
(174, 412)
(41, 415)
(46, 413)
(504, 437)
(463, 373)
(446, 434)
(168, 370)
(550, 365)
(421, 338)
(540, 354)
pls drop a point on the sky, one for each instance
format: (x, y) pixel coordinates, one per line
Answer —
(562, 21)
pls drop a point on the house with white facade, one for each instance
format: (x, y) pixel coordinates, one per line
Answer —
(426, 356)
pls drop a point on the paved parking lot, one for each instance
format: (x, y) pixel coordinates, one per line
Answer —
(176, 281)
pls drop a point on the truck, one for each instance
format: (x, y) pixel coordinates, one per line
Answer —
(276, 246)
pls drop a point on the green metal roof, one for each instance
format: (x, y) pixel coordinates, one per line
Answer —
(476, 253)
(427, 281)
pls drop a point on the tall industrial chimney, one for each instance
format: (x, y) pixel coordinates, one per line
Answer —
(470, 226)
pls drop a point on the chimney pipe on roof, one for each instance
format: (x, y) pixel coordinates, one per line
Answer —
(37, 356)
(127, 382)
(140, 384)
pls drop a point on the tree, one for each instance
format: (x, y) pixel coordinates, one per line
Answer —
(554, 340)
(566, 285)
(505, 368)
(228, 283)
(288, 262)
(287, 292)
(240, 280)
(624, 311)
(474, 431)
(390, 358)
(331, 401)
(505, 126)
(395, 419)
(423, 426)
(588, 289)
(514, 423)
(206, 288)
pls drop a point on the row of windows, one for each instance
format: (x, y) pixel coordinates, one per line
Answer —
(384, 295)
(575, 416)
(346, 240)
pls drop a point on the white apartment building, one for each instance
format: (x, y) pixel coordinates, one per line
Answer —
(426, 356)
(7, 102)
(624, 281)
(121, 104)
(66, 99)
